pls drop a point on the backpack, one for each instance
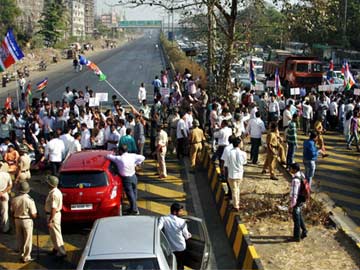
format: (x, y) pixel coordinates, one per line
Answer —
(305, 190)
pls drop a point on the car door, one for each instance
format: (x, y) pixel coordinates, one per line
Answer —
(198, 246)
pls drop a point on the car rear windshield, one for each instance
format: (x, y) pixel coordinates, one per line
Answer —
(83, 180)
(148, 264)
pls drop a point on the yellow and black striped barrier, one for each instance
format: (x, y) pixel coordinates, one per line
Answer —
(236, 231)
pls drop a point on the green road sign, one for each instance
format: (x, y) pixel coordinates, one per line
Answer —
(140, 24)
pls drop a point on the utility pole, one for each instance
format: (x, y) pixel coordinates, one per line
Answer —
(345, 21)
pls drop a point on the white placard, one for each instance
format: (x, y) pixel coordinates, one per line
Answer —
(80, 102)
(295, 91)
(324, 88)
(102, 97)
(259, 87)
(165, 92)
(357, 92)
(270, 83)
(93, 102)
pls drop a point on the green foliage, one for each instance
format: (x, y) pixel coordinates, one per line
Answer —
(8, 13)
(53, 23)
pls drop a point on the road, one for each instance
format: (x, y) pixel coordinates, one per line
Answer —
(126, 68)
(338, 175)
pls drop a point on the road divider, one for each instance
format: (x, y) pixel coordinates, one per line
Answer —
(236, 231)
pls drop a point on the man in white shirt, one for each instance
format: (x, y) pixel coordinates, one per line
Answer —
(5, 188)
(126, 163)
(307, 114)
(75, 145)
(54, 152)
(182, 134)
(223, 140)
(235, 161)
(255, 129)
(85, 137)
(141, 93)
(274, 109)
(333, 113)
(287, 117)
(67, 140)
(114, 138)
(176, 231)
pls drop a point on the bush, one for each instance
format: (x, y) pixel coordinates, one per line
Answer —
(180, 61)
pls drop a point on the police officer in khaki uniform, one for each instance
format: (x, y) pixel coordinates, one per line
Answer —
(23, 166)
(196, 139)
(5, 187)
(53, 206)
(24, 210)
(274, 150)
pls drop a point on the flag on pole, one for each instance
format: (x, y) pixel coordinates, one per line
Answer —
(42, 85)
(277, 83)
(93, 67)
(10, 52)
(348, 77)
(28, 93)
(252, 73)
(8, 103)
(330, 74)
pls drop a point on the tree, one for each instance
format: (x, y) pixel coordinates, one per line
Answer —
(8, 13)
(54, 22)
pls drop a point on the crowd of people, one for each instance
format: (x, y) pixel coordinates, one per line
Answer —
(181, 118)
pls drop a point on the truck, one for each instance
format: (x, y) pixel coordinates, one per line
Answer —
(294, 71)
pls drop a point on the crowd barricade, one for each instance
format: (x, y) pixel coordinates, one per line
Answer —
(236, 231)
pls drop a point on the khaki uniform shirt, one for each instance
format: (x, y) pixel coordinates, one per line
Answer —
(24, 163)
(273, 141)
(196, 136)
(23, 206)
(54, 200)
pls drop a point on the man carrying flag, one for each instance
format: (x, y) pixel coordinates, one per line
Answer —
(252, 73)
(277, 83)
(349, 81)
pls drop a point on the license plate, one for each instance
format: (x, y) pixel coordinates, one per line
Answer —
(87, 206)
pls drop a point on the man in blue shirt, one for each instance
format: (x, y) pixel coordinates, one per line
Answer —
(310, 155)
(157, 84)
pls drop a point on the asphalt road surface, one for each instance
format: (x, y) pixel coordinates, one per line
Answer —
(126, 67)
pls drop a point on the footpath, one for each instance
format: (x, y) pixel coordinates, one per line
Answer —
(268, 224)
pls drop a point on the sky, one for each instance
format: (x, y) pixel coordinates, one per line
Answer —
(139, 13)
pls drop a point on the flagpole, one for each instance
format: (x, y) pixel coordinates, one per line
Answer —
(116, 91)
(17, 89)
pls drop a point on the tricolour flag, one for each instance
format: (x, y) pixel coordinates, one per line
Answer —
(348, 77)
(330, 74)
(91, 65)
(252, 73)
(42, 85)
(28, 93)
(10, 52)
(277, 83)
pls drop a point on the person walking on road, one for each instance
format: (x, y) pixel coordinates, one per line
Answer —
(54, 152)
(53, 206)
(274, 150)
(255, 129)
(126, 163)
(310, 156)
(142, 93)
(354, 131)
(196, 139)
(291, 139)
(176, 231)
(5, 188)
(235, 161)
(297, 202)
(161, 149)
(24, 211)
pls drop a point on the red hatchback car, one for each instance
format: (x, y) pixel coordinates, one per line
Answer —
(91, 187)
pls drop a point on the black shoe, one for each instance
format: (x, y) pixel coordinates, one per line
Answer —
(293, 239)
(303, 235)
(52, 252)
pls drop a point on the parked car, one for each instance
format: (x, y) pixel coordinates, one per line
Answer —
(135, 242)
(91, 187)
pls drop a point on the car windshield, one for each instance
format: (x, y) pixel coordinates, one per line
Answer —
(83, 179)
(148, 263)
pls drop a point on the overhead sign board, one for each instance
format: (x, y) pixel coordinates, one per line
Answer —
(140, 24)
